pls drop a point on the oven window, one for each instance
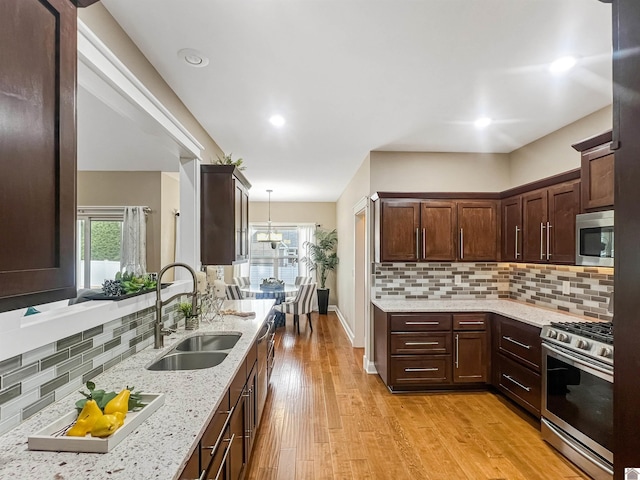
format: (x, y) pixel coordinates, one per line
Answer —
(596, 242)
(581, 399)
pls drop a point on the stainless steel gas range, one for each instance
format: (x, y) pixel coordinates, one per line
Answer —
(577, 393)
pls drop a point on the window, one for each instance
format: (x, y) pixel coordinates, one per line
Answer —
(280, 260)
(99, 240)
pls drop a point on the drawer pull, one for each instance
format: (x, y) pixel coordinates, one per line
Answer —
(420, 369)
(469, 322)
(224, 458)
(509, 339)
(420, 343)
(422, 323)
(511, 379)
(214, 448)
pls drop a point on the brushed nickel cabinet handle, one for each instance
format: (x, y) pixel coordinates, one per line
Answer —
(541, 241)
(214, 448)
(457, 349)
(224, 458)
(421, 323)
(516, 250)
(461, 244)
(417, 244)
(548, 243)
(469, 322)
(420, 343)
(424, 243)
(420, 369)
(509, 339)
(511, 379)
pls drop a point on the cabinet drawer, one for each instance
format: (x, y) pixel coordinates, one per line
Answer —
(420, 370)
(420, 322)
(420, 343)
(520, 384)
(521, 342)
(470, 321)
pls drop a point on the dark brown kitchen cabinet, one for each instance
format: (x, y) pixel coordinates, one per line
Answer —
(478, 230)
(224, 215)
(512, 229)
(549, 222)
(436, 230)
(414, 351)
(596, 172)
(37, 152)
(470, 348)
(516, 359)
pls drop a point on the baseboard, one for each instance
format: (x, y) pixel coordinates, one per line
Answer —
(343, 321)
(368, 366)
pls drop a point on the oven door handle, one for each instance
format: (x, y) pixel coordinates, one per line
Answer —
(582, 363)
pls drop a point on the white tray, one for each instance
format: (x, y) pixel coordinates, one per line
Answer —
(46, 440)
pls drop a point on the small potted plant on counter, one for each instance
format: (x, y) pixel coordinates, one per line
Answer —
(323, 259)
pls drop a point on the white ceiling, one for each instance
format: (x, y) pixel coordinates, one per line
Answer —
(351, 76)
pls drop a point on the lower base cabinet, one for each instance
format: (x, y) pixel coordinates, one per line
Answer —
(225, 446)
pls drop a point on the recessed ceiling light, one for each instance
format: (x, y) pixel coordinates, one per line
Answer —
(482, 122)
(193, 57)
(563, 64)
(277, 120)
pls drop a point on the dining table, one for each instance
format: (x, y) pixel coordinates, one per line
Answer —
(279, 294)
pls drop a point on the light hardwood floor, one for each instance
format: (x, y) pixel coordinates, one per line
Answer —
(326, 418)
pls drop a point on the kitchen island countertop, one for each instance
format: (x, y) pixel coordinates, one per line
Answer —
(524, 312)
(161, 446)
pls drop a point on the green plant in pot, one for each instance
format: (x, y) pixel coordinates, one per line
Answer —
(190, 317)
(322, 258)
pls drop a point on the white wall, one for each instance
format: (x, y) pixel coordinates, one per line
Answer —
(553, 154)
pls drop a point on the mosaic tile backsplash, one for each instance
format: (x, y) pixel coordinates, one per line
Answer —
(589, 288)
(31, 381)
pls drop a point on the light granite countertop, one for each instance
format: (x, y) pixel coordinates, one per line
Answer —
(533, 315)
(160, 447)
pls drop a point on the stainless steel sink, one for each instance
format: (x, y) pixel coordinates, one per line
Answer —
(207, 342)
(187, 361)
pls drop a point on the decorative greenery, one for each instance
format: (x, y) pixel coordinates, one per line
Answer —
(186, 308)
(227, 160)
(102, 398)
(126, 283)
(322, 254)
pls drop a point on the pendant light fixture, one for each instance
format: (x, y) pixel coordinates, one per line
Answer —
(270, 237)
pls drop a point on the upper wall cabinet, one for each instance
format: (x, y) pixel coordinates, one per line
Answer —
(413, 230)
(224, 215)
(37, 152)
(596, 172)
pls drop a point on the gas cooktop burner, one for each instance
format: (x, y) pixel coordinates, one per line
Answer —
(600, 331)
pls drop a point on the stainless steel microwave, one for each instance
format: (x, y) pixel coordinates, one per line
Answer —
(594, 239)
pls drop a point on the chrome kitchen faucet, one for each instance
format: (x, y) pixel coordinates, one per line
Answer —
(159, 331)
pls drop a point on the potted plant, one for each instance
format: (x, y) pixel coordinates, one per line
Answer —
(190, 317)
(227, 160)
(323, 259)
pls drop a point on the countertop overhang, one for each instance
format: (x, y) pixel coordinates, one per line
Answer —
(533, 315)
(160, 447)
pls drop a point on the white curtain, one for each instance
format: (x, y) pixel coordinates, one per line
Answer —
(133, 251)
(305, 234)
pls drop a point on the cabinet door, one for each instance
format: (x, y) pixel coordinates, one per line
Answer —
(597, 178)
(191, 470)
(478, 230)
(37, 152)
(564, 205)
(237, 456)
(438, 239)
(534, 217)
(399, 229)
(471, 357)
(512, 229)
(251, 412)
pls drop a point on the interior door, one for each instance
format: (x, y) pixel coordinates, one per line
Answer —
(438, 239)
(534, 217)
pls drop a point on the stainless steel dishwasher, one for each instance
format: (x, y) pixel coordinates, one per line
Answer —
(264, 342)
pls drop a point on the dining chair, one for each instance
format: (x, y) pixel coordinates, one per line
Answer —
(233, 292)
(302, 304)
(242, 281)
(297, 282)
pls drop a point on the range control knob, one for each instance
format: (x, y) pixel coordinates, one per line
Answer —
(606, 352)
(552, 334)
(583, 344)
(563, 337)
